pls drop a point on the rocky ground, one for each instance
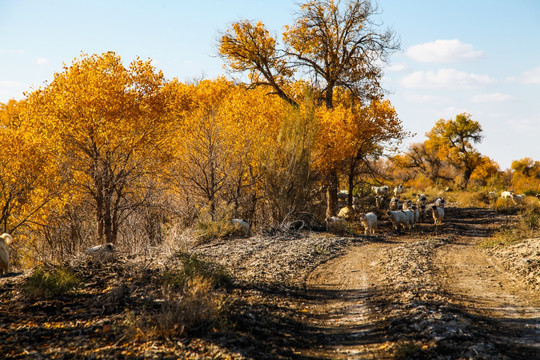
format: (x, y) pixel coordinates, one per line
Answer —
(427, 293)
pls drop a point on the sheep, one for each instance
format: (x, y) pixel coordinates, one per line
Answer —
(369, 221)
(241, 226)
(507, 194)
(398, 190)
(336, 223)
(346, 212)
(440, 202)
(379, 202)
(421, 200)
(518, 199)
(438, 214)
(103, 252)
(423, 212)
(416, 212)
(5, 239)
(394, 204)
(397, 218)
(410, 218)
(406, 205)
(343, 195)
(380, 190)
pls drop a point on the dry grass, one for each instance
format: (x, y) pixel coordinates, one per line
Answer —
(527, 227)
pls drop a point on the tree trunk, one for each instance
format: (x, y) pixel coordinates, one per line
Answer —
(331, 193)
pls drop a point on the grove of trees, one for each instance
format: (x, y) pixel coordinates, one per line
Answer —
(115, 153)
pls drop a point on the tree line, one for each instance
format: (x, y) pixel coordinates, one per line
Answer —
(115, 153)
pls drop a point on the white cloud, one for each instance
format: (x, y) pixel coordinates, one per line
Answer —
(445, 78)
(42, 61)
(443, 51)
(532, 76)
(491, 98)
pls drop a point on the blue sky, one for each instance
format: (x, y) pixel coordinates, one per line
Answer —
(481, 57)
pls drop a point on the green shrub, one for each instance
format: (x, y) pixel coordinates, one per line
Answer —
(48, 282)
(192, 267)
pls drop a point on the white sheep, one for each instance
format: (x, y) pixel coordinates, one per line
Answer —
(242, 226)
(440, 202)
(421, 200)
(379, 202)
(346, 212)
(398, 190)
(394, 204)
(343, 194)
(397, 218)
(5, 240)
(369, 221)
(416, 212)
(507, 194)
(380, 190)
(410, 218)
(438, 214)
(518, 199)
(406, 205)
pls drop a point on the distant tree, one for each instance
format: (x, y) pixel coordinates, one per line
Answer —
(453, 141)
(526, 175)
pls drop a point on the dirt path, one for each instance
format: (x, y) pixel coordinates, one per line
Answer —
(423, 295)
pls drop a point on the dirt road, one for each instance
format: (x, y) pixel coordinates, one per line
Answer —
(423, 295)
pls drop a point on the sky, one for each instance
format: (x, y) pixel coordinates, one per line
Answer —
(479, 57)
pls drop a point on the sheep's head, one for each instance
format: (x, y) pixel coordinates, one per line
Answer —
(6, 238)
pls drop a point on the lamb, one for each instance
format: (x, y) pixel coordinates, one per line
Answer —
(242, 226)
(398, 190)
(369, 221)
(5, 239)
(438, 214)
(397, 218)
(394, 204)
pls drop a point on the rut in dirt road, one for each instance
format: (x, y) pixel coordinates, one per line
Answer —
(423, 295)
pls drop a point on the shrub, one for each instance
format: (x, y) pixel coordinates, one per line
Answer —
(193, 267)
(196, 309)
(50, 282)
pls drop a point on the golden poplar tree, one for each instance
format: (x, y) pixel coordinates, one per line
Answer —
(105, 121)
(335, 43)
